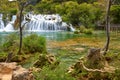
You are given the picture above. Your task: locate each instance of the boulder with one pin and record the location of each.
(10, 71)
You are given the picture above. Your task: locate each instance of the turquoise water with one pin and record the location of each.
(49, 35)
(58, 36)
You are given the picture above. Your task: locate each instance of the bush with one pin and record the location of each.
(76, 32)
(115, 13)
(10, 43)
(13, 11)
(31, 44)
(88, 31)
(34, 43)
(82, 29)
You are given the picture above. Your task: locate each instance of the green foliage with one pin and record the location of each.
(13, 11)
(31, 44)
(6, 7)
(44, 7)
(85, 14)
(29, 8)
(88, 31)
(115, 13)
(3, 56)
(69, 11)
(82, 29)
(53, 74)
(89, 14)
(116, 75)
(11, 43)
(76, 32)
(34, 43)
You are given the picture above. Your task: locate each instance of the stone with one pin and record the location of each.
(10, 71)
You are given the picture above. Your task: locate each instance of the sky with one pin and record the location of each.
(11, 0)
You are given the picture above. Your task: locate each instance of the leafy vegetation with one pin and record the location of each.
(89, 13)
(31, 44)
(86, 14)
(115, 14)
(68, 55)
(83, 29)
(34, 43)
(10, 42)
(58, 73)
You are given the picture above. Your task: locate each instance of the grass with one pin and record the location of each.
(68, 54)
(58, 73)
(70, 50)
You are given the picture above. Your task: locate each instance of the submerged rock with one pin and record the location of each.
(10, 71)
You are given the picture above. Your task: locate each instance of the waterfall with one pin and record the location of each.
(1, 22)
(9, 27)
(71, 28)
(44, 23)
(38, 23)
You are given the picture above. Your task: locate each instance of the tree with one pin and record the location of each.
(69, 11)
(115, 14)
(7, 9)
(21, 5)
(107, 27)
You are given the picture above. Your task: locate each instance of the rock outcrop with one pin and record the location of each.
(10, 71)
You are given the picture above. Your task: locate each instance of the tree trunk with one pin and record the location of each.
(107, 27)
(20, 27)
(21, 5)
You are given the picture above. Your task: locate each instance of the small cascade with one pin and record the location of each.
(13, 17)
(71, 28)
(1, 22)
(9, 27)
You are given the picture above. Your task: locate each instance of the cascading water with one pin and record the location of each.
(38, 23)
(9, 27)
(1, 22)
(44, 23)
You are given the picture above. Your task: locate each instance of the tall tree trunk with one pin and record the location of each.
(21, 5)
(106, 47)
(20, 27)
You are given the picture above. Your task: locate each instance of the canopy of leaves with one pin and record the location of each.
(78, 12)
(7, 7)
(115, 13)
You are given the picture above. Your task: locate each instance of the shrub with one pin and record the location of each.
(31, 44)
(82, 29)
(115, 13)
(13, 11)
(88, 31)
(10, 43)
(76, 32)
(34, 43)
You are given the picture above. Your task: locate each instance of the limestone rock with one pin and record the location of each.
(10, 71)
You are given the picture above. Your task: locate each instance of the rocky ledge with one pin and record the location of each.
(10, 71)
